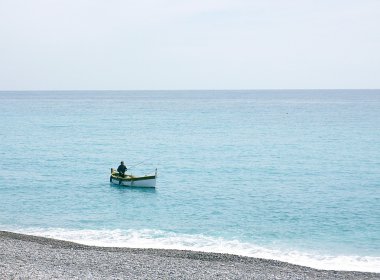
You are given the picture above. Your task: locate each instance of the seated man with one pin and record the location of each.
(121, 169)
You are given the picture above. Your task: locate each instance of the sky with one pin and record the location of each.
(197, 44)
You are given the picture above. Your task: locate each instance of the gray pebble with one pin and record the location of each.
(30, 257)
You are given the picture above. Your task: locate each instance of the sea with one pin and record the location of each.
(290, 175)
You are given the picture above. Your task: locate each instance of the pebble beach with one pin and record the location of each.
(30, 257)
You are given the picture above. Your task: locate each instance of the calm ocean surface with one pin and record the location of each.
(287, 175)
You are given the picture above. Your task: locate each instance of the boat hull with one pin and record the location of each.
(140, 182)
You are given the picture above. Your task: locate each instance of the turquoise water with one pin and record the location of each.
(287, 175)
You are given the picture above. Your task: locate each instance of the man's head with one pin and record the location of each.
(122, 163)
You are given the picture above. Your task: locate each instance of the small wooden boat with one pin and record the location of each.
(147, 181)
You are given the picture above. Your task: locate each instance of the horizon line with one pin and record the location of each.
(160, 90)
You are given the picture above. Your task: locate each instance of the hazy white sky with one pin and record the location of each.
(194, 44)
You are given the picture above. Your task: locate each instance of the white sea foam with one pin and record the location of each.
(166, 240)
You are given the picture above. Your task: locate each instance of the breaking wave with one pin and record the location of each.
(158, 239)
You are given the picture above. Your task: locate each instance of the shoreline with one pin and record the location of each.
(27, 256)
